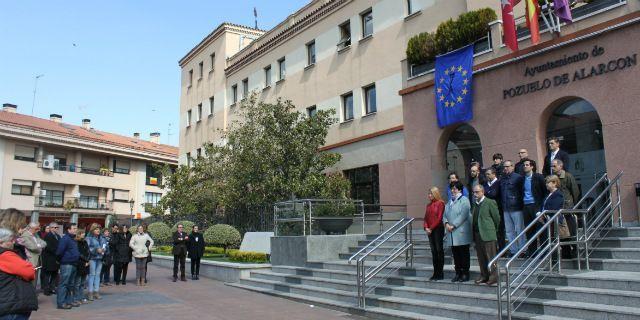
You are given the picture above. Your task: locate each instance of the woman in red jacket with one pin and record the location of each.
(435, 230)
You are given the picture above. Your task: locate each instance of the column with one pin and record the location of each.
(40, 155)
(74, 217)
(78, 161)
(35, 216)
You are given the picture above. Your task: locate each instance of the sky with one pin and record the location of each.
(114, 62)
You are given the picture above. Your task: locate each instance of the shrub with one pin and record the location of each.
(332, 209)
(450, 35)
(247, 256)
(222, 235)
(213, 250)
(188, 226)
(160, 232)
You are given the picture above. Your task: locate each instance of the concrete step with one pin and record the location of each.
(615, 280)
(622, 232)
(609, 297)
(616, 253)
(617, 242)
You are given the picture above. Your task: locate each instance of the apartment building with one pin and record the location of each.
(61, 172)
(338, 54)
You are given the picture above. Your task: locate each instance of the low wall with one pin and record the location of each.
(222, 271)
(296, 251)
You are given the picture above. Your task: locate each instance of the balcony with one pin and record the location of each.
(78, 169)
(83, 203)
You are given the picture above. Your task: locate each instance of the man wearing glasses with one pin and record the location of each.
(511, 187)
(50, 264)
(522, 155)
(179, 251)
(554, 153)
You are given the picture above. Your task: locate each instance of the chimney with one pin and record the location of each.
(55, 117)
(136, 135)
(154, 137)
(86, 123)
(8, 107)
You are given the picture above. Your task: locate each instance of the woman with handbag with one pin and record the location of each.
(553, 202)
(149, 259)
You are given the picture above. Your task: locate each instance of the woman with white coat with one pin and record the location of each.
(140, 252)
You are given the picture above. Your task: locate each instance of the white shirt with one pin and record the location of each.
(492, 181)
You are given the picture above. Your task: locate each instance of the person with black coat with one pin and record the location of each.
(17, 296)
(50, 263)
(554, 153)
(107, 259)
(475, 178)
(534, 192)
(122, 255)
(82, 270)
(196, 251)
(492, 191)
(179, 251)
(553, 201)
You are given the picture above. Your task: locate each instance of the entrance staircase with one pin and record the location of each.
(610, 290)
(390, 278)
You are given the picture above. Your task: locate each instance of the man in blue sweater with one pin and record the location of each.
(68, 255)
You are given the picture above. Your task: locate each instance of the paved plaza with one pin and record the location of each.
(203, 299)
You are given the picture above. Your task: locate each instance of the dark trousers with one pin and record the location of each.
(181, 259)
(502, 234)
(195, 266)
(571, 251)
(105, 276)
(48, 280)
(437, 251)
(486, 250)
(461, 259)
(120, 269)
(529, 212)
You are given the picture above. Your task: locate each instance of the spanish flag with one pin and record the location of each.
(153, 181)
(532, 13)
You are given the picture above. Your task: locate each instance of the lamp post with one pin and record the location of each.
(35, 87)
(131, 202)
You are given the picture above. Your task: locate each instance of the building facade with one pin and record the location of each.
(340, 54)
(579, 85)
(55, 171)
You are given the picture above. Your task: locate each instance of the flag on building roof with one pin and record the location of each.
(509, 24)
(563, 10)
(532, 12)
(453, 86)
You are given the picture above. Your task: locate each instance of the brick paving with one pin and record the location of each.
(164, 299)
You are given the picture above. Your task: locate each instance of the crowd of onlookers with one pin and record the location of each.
(495, 206)
(73, 264)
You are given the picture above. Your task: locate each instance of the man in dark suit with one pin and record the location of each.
(554, 153)
(179, 251)
(50, 263)
(492, 191)
(534, 191)
(475, 178)
(486, 220)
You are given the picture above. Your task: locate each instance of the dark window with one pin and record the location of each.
(199, 153)
(211, 107)
(120, 166)
(409, 7)
(200, 69)
(190, 77)
(245, 88)
(234, 93)
(25, 153)
(51, 198)
(311, 53)
(311, 111)
(151, 199)
(367, 23)
(188, 118)
(267, 76)
(370, 99)
(22, 189)
(199, 114)
(154, 175)
(347, 106)
(365, 184)
(282, 68)
(345, 35)
(188, 159)
(212, 57)
(88, 202)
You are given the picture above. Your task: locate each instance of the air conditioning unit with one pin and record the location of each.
(43, 193)
(48, 162)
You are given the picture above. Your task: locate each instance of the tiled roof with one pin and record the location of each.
(90, 135)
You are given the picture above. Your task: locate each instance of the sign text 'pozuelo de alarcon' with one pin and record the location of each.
(595, 70)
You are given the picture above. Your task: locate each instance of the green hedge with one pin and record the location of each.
(450, 35)
(160, 232)
(247, 256)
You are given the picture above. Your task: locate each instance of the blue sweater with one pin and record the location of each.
(68, 250)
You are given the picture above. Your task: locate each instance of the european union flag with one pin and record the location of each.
(453, 86)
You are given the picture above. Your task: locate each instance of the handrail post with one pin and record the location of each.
(586, 242)
(381, 214)
(557, 238)
(619, 203)
(508, 293)
(364, 286)
(411, 242)
(275, 220)
(304, 220)
(406, 253)
(499, 292)
(358, 277)
(362, 212)
(549, 245)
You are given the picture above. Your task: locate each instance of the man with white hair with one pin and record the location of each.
(32, 243)
(50, 264)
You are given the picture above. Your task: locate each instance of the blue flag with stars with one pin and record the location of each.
(453, 86)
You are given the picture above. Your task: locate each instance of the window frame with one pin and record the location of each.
(282, 69)
(20, 158)
(188, 159)
(154, 197)
(344, 106)
(234, 94)
(363, 16)
(190, 78)
(199, 113)
(212, 60)
(200, 70)
(345, 42)
(267, 76)
(312, 110)
(365, 94)
(188, 118)
(311, 53)
(245, 88)
(211, 106)
(21, 193)
(121, 170)
(120, 200)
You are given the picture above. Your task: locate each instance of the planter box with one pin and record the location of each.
(222, 271)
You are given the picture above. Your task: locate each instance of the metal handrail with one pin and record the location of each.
(545, 252)
(364, 275)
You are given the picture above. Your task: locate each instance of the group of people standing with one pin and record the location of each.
(504, 199)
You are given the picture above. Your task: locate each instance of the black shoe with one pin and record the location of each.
(145, 280)
(124, 283)
(117, 283)
(47, 293)
(193, 277)
(175, 279)
(65, 307)
(197, 277)
(183, 278)
(433, 278)
(456, 278)
(464, 278)
(54, 291)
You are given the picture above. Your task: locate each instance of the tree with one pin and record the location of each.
(272, 153)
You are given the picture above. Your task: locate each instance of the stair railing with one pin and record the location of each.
(515, 280)
(365, 274)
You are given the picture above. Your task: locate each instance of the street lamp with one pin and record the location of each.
(131, 202)
(35, 87)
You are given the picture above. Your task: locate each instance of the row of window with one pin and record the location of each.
(212, 63)
(198, 155)
(370, 104)
(199, 112)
